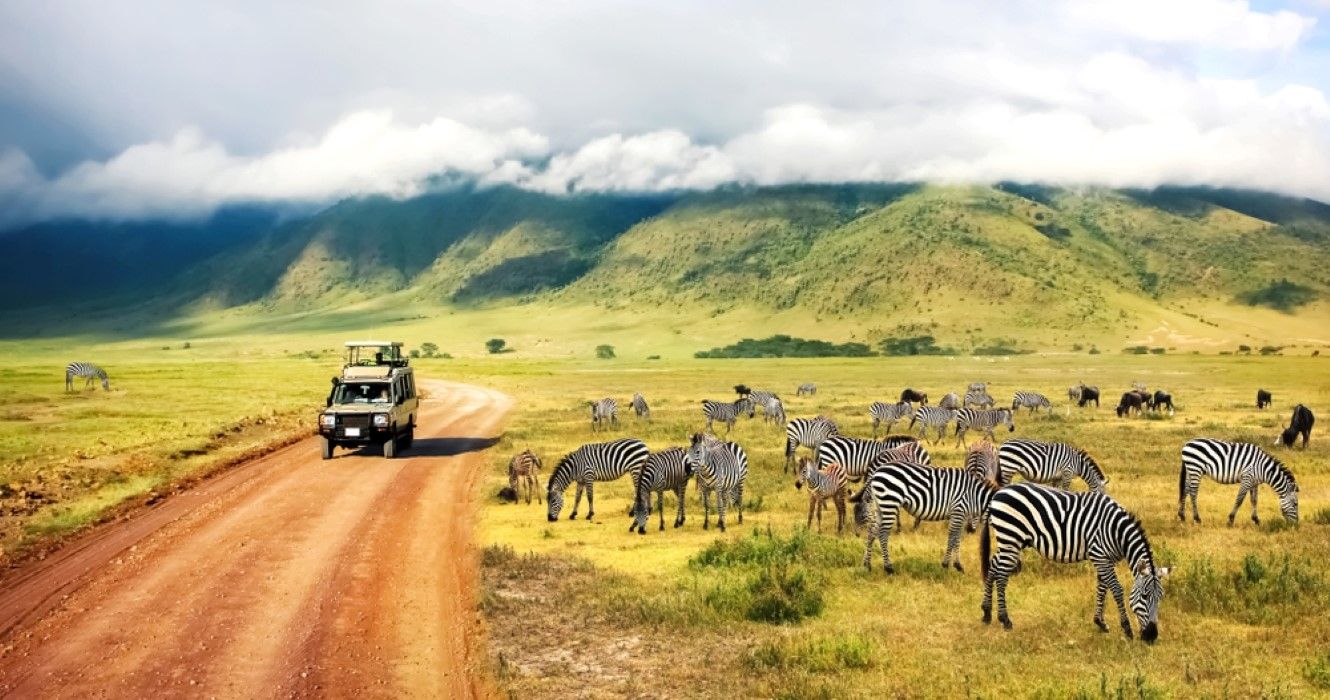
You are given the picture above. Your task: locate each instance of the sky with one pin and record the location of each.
(168, 109)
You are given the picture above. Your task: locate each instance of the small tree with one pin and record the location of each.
(415, 353)
(605, 352)
(496, 345)
(428, 349)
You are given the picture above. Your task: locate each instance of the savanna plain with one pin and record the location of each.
(768, 608)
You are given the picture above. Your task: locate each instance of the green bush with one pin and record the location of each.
(605, 352)
(1271, 349)
(1282, 296)
(784, 593)
(1261, 590)
(819, 655)
(428, 349)
(1317, 671)
(1157, 351)
(913, 345)
(1136, 350)
(999, 346)
(1321, 517)
(785, 346)
(496, 345)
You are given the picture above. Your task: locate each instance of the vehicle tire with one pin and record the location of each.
(327, 448)
(390, 447)
(409, 436)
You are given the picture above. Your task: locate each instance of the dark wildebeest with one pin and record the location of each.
(1132, 400)
(1263, 398)
(1160, 400)
(1300, 425)
(742, 390)
(914, 396)
(1088, 394)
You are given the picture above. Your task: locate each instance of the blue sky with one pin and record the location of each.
(170, 109)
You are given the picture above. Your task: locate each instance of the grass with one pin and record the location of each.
(673, 613)
(1239, 599)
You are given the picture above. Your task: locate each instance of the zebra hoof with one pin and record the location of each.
(891, 570)
(1256, 520)
(1006, 621)
(1126, 629)
(641, 531)
(706, 526)
(957, 565)
(1100, 624)
(573, 516)
(1197, 519)
(988, 615)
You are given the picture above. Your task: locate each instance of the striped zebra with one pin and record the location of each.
(977, 386)
(888, 413)
(640, 407)
(809, 432)
(773, 410)
(808, 389)
(86, 371)
(1048, 463)
(932, 417)
(823, 484)
(1074, 393)
(958, 496)
(982, 419)
(978, 398)
(524, 467)
(1071, 527)
(1031, 400)
(952, 400)
(761, 398)
(1234, 463)
(726, 412)
(856, 455)
(597, 461)
(664, 471)
(721, 467)
(604, 412)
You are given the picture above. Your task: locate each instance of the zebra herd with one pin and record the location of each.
(1039, 511)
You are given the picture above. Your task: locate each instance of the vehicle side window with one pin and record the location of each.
(411, 386)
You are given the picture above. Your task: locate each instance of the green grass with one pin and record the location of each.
(1239, 600)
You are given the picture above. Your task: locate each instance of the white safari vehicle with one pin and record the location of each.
(373, 402)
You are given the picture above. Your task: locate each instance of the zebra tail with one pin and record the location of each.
(985, 549)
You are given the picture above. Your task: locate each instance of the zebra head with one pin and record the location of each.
(1091, 472)
(696, 456)
(1146, 592)
(641, 511)
(558, 482)
(1287, 488)
(745, 405)
(1006, 417)
(805, 472)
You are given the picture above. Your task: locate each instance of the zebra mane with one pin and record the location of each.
(564, 468)
(1285, 471)
(1091, 461)
(1135, 522)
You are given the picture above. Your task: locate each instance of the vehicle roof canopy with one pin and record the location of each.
(373, 343)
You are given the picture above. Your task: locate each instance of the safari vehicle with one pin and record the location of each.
(373, 402)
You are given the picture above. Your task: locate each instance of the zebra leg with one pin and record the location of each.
(812, 506)
(840, 512)
(1101, 587)
(739, 501)
(868, 544)
(1002, 572)
(876, 422)
(960, 436)
(722, 499)
(1254, 489)
(706, 508)
(577, 502)
(1195, 514)
(889, 519)
(958, 520)
(679, 494)
(660, 506)
(1116, 588)
(1242, 494)
(590, 504)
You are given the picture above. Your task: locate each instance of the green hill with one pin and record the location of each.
(1039, 266)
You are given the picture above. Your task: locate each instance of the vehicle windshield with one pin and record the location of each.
(362, 392)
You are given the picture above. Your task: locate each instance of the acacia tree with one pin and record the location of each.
(496, 345)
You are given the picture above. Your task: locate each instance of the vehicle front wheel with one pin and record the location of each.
(327, 448)
(408, 437)
(390, 448)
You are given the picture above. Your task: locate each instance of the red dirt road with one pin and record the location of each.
(287, 576)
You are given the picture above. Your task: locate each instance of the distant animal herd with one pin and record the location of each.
(1039, 512)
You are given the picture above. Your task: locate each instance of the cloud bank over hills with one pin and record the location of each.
(163, 111)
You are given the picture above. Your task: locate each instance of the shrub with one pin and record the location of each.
(913, 345)
(785, 346)
(653, 357)
(1259, 591)
(496, 345)
(428, 349)
(1094, 350)
(1321, 517)
(1317, 671)
(1281, 296)
(999, 346)
(1271, 349)
(415, 352)
(186, 346)
(784, 592)
(1136, 350)
(1156, 351)
(819, 655)
(605, 352)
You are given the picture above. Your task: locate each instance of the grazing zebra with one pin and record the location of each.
(597, 461)
(888, 413)
(1048, 463)
(726, 412)
(1074, 393)
(982, 419)
(761, 398)
(808, 389)
(773, 411)
(524, 466)
(978, 398)
(952, 400)
(809, 432)
(86, 371)
(604, 411)
(1031, 400)
(856, 455)
(1234, 463)
(666, 470)
(721, 467)
(1071, 527)
(640, 407)
(823, 484)
(932, 417)
(929, 493)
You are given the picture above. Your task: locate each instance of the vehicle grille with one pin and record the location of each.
(344, 422)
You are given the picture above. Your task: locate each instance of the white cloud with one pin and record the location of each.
(599, 96)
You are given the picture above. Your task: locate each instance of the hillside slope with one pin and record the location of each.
(969, 264)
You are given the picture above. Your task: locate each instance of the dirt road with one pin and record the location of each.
(287, 576)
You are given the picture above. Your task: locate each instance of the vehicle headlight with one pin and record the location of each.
(380, 420)
(327, 420)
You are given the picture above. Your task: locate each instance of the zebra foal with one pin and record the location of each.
(523, 468)
(823, 484)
